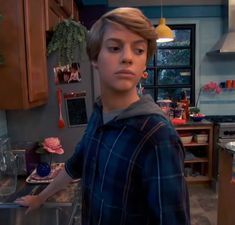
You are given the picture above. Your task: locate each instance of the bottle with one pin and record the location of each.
(8, 168)
(185, 105)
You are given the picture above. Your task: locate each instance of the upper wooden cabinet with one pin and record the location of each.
(23, 76)
(57, 10)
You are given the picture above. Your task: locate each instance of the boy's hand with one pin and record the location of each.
(31, 201)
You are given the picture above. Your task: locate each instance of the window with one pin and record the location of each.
(172, 69)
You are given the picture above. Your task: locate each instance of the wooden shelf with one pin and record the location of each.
(198, 165)
(197, 179)
(197, 160)
(195, 144)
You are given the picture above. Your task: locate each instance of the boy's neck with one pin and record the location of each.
(116, 101)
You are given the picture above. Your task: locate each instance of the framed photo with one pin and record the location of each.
(67, 74)
(76, 109)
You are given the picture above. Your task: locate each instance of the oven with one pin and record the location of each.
(224, 132)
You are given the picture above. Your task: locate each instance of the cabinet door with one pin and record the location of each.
(67, 6)
(36, 50)
(53, 13)
(75, 12)
(24, 73)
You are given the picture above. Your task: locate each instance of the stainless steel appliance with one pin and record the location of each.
(224, 132)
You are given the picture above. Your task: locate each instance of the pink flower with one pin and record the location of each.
(52, 145)
(212, 87)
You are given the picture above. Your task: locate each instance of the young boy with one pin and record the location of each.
(130, 157)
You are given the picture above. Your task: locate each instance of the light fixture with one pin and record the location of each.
(164, 33)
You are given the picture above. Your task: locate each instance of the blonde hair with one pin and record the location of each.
(131, 18)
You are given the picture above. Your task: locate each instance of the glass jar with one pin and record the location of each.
(8, 168)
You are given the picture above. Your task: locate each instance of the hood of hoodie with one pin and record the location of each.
(144, 106)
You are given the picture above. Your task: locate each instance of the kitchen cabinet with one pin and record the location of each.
(198, 166)
(57, 10)
(24, 82)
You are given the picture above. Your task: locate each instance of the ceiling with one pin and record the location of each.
(117, 3)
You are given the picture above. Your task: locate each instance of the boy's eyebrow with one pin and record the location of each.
(119, 40)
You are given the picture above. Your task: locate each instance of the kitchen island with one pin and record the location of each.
(226, 198)
(60, 209)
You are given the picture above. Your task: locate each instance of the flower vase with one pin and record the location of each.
(44, 167)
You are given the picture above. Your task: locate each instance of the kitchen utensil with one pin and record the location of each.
(61, 123)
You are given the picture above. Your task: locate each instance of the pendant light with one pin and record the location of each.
(165, 34)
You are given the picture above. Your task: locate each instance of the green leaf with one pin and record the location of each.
(67, 36)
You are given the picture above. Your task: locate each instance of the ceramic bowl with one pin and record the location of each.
(197, 118)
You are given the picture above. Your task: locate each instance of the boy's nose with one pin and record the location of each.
(127, 56)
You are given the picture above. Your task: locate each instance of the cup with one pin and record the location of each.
(233, 84)
(228, 84)
(222, 84)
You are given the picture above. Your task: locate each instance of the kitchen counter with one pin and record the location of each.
(226, 198)
(190, 123)
(59, 209)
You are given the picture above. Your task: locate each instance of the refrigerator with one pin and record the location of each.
(77, 101)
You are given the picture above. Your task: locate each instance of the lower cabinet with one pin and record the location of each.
(197, 139)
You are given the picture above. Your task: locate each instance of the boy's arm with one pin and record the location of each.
(35, 201)
(165, 186)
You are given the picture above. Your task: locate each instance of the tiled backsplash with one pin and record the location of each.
(3, 123)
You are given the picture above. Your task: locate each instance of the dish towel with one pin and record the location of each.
(233, 170)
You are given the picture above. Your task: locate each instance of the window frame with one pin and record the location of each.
(155, 86)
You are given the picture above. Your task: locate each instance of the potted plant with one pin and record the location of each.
(49, 146)
(68, 36)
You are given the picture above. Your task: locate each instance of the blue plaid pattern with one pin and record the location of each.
(132, 172)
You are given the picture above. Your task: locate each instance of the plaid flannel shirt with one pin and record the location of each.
(132, 172)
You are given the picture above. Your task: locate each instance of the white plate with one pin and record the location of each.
(230, 146)
(33, 178)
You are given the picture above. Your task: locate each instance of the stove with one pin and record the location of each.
(224, 127)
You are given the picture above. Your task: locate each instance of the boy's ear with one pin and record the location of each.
(94, 64)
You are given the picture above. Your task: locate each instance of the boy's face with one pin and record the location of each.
(122, 59)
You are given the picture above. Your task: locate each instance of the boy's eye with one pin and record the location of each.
(139, 51)
(113, 48)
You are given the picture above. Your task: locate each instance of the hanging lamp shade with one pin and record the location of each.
(164, 32)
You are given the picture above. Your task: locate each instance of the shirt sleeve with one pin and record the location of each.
(74, 165)
(164, 182)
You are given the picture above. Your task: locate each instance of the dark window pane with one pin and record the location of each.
(150, 79)
(173, 93)
(151, 62)
(174, 76)
(182, 39)
(173, 57)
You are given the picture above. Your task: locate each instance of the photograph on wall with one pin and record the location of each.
(67, 74)
(76, 109)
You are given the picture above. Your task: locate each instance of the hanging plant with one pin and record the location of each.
(67, 37)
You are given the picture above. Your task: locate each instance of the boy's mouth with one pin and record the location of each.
(125, 72)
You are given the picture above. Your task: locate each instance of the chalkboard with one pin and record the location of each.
(76, 111)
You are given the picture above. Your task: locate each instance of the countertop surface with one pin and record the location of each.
(65, 197)
(227, 148)
(193, 123)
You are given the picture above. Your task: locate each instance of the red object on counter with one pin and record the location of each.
(177, 121)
